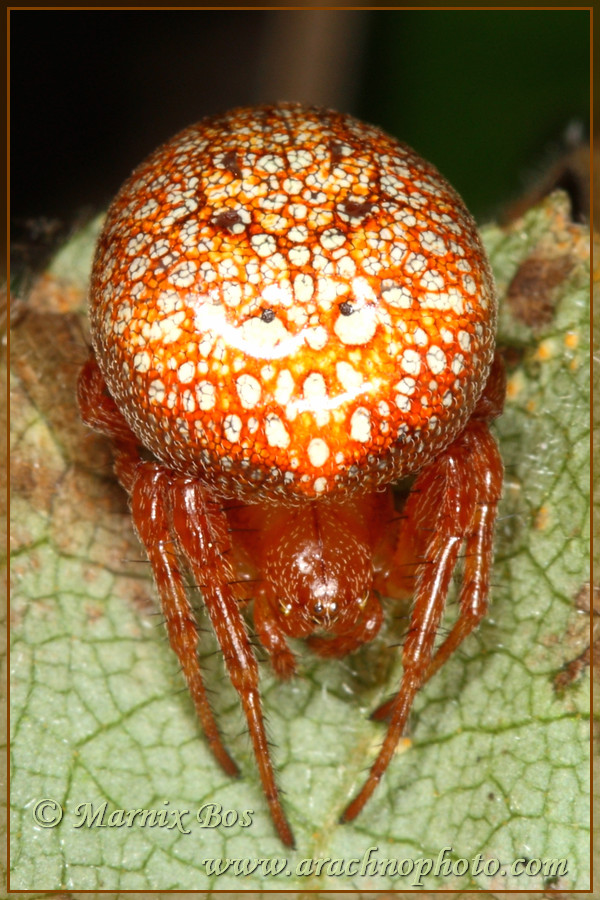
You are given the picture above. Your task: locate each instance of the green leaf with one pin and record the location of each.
(498, 762)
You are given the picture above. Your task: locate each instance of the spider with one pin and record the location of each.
(291, 311)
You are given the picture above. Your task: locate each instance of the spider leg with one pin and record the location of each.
(202, 532)
(97, 407)
(273, 639)
(149, 505)
(478, 542)
(147, 486)
(453, 502)
(474, 592)
(161, 505)
(478, 557)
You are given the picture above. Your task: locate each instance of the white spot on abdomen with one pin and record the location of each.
(436, 359)
(314, 387)
(357, 328)
(270, 340)
(205, 395)
(167, 330)
(360, 425)
(248, 390)
(232, 427)
(320, 485)
(411, 362)
(317, 337)
(303, 287)
(156, 392)
(315, 394)
(264, 244)
(184, 274)
(141, 361)
(284, 387)
(318, 452)
(350, 379)
(186, 372)
(275, 432)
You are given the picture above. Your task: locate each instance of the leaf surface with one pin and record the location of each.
(498, 761)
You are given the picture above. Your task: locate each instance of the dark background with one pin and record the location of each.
(488, 96)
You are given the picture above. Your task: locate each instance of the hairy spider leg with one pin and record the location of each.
(202, 530)
(150, 495)
(272, 637)
(164, 505)
(148, 487)
(478, 543)
(452, 503)
(97, 407)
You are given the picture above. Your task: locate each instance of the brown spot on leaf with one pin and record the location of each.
(531, 293)
(572, 670)
(47, 352)
(587, 603)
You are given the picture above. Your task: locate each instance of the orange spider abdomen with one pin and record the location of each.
(289, 304)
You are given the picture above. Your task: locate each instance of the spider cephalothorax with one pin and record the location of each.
(290, 310)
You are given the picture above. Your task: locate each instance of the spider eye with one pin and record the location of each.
(267, 315)
(318, 609)
(346, 308)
